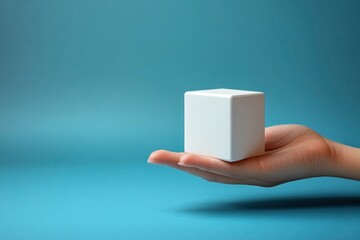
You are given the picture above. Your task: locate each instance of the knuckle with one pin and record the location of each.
(186, 157)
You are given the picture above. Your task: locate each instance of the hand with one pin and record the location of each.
(292, 152)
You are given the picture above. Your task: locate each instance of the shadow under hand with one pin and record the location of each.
(304, 204)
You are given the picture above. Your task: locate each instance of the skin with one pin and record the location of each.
(292, 152)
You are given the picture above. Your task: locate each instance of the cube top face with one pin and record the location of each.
(225, 124)
(223, 92)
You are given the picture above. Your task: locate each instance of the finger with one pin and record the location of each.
(208, 176)
(252, 169)
(214, 177)
(209, 164)
(165, 157)
(172, 158)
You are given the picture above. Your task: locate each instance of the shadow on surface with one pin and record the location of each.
(278, 205)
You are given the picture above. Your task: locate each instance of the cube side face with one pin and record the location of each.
(207, 126)
(248, 126)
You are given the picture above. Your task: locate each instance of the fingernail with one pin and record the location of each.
(150, 160)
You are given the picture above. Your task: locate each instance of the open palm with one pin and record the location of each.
(292, 152)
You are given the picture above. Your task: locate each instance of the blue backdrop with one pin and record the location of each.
(89, 88)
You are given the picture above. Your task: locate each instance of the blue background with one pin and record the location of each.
(89, 88)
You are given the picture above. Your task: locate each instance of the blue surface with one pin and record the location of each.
(89, 88)
(133, 201)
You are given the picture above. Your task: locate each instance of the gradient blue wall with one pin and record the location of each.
(91, 80)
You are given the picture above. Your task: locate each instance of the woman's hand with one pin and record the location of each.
(292, 152)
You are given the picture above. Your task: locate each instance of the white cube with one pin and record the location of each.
(224, 123)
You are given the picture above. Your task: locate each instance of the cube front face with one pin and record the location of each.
(207, 125)
(228, 127)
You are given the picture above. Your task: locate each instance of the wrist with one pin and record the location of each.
(345, 161)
